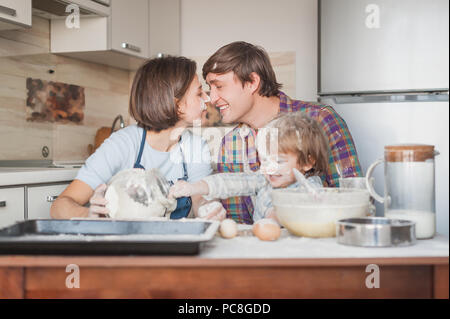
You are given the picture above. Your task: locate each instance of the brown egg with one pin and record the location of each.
(228, 228)
(266, 229)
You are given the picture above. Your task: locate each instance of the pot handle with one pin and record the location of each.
(369, 185)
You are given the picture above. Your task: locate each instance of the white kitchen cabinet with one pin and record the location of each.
(15, 14)
(40, 199)
(100, 7)
(164, 27)
(129, 27)
(12, 208)
(57, 9)
(134, 32)
(119, 40)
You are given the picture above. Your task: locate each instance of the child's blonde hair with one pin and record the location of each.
(301, 135)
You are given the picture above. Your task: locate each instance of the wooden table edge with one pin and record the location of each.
(188, 261)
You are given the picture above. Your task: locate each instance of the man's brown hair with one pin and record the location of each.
(244, 58)
(158, 86)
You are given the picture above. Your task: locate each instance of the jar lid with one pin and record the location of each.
(409, 152)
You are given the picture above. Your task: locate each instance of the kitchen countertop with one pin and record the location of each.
(10, 176)
(288, 248)
(242, 267)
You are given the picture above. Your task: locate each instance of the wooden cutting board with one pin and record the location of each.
(102, 134)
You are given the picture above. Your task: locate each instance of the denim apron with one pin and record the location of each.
(184, 204)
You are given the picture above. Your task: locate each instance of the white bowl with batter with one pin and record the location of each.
(315, 215)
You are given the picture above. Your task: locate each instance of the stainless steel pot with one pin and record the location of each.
(375, 232)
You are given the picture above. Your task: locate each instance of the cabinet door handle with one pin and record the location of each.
(131, 47)
(51, 199)
(2, 203)
(8, 11)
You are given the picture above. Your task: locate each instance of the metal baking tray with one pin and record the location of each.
(375, 232)
(106, 237)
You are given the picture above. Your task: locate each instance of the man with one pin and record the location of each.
(244, 88)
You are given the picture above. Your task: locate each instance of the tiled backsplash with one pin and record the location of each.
(25, 54)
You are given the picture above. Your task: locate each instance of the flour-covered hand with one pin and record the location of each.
(184, 189)
(213, 211)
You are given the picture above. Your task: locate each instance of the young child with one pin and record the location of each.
(301, 145)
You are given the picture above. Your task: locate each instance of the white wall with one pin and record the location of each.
(278, 26)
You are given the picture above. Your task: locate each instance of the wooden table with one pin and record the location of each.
(238, 268)
(190, 277)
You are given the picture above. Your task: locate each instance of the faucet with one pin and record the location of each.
(122, 123)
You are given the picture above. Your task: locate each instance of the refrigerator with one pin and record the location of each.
(384, 68)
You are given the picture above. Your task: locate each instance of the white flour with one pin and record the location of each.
(411, 188)
(425, 221)
(121, 205)
(135, 193)
(289, 246)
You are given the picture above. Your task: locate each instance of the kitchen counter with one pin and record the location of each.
(243, 267)
(10, 176)
(288, 246)
(247, 246)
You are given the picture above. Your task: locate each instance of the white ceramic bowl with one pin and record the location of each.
(308, 215)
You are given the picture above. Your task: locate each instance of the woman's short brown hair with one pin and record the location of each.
(244, 58)
(302, 136)
(157, 87)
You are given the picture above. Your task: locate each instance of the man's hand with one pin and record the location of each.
(184, 189)
(98, 203)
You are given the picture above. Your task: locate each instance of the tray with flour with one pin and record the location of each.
(107, 237)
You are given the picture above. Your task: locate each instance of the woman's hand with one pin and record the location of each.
(184, 189)
(98, 203)
(213, 211)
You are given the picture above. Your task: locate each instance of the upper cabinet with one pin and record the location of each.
(54, 9)
(129, 27)
(15, 14)
(164, 23)
(133, 32)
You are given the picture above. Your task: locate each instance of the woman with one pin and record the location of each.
(166, 97)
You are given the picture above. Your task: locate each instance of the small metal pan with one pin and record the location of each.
(375, 232)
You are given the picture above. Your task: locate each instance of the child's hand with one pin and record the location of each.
(184, 189)
(213, 211)
(272, 215)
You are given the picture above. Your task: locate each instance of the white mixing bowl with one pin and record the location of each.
(309, 215)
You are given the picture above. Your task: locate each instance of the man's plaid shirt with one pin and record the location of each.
(238, 148)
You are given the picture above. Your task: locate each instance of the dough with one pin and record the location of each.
(137, 194)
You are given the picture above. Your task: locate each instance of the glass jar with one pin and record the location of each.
(409, 191)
